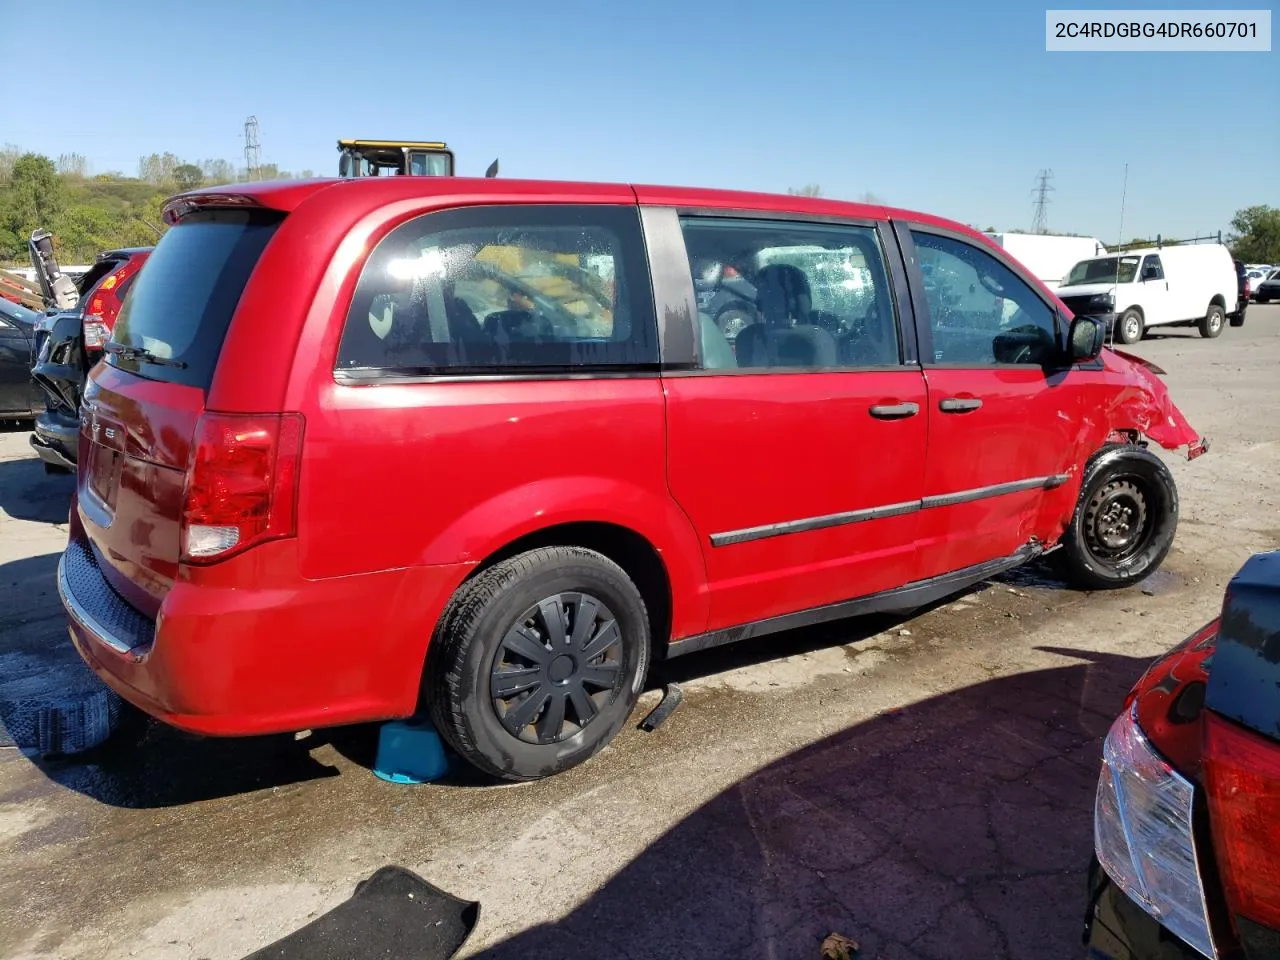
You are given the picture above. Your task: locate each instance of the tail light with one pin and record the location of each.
(1143, 835)
(1242, 778)
(96, 333)
(106, 300)
(242, 483)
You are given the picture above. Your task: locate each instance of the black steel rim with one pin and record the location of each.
(1118, 521)
(558, 667)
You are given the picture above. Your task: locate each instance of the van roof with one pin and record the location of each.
(288, 195)
(1168, 248)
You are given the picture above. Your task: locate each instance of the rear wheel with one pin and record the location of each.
(1211, 323)
(1129, 326)
(1124, 521)
(538, 662)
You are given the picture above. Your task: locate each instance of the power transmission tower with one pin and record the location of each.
(252, 149)
(1040, 219)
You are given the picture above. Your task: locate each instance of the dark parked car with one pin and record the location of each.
(1187, 820)
(1268, 289)
(20, 399)
(70, 343)
(1244, 290)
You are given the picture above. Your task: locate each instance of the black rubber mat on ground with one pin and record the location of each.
(393, 914)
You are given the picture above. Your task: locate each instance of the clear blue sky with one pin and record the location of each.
(949, 107)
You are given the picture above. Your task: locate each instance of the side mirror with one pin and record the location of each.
(1086, 339)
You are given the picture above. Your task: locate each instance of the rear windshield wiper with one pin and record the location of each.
(128, 352)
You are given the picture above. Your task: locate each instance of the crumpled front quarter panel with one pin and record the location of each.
(1132, 397)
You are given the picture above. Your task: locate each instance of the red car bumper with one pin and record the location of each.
(290, 655)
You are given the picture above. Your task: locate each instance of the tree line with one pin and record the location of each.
(88, 213)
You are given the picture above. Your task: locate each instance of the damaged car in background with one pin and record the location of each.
(1187, 819)
(71, 340)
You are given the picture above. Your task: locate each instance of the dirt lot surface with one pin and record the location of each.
(923, 786)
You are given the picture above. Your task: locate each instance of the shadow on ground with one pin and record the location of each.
(958, 827)
(27, 492)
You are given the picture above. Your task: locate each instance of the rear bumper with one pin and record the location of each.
(251, 651)
(55, 439)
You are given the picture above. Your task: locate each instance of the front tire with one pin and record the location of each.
(538, 662)
(1212, 322)
(1130, 326)
(1124, 522)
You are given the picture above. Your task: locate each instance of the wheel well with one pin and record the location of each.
(1218, 301)
(628, 549)
(1136, 309)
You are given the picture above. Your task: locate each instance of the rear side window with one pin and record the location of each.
(525, 289)
(177, 313)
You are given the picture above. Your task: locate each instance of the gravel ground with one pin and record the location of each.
(924, 786)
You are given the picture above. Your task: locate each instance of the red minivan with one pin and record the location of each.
(364, 448)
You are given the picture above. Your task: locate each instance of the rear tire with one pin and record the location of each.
(1212, 322)
(1129, 327)
(1124, 522)
(519, 682)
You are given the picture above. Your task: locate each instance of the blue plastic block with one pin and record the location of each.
(410, 751)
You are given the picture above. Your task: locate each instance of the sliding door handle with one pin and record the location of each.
(894, 411)
(959, 404)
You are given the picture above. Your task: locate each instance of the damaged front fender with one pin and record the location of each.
(1144, 405)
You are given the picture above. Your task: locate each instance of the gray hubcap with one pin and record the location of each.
(558, 667)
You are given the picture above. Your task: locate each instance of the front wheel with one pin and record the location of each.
(538, 662)
(1130, 326)
(1124, 521)
(1211, 323)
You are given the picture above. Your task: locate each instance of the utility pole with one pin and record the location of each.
(1040, 219)
(252, 149)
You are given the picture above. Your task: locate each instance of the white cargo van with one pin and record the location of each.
(1184, 285)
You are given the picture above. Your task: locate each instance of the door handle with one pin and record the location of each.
(894, 411)
(959, 404)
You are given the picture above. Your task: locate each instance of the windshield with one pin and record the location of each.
(1103, 270)
(424, 163)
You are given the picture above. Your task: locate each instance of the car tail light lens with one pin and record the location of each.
(96, 333)
(1242, 777)
(242, 484)
(105, 301)
(1143, 834)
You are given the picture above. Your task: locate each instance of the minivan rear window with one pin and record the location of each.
(177, 314)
